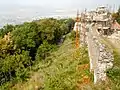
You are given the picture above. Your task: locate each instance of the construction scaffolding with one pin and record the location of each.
(77, 31)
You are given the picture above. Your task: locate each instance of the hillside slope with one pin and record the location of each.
(65, 69)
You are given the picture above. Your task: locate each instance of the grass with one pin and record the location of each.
(65, 69)
(114, 73)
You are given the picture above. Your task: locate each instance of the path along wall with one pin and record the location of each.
(101, 58)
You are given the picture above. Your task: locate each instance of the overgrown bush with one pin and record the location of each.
(72, 35)
(114, 73)
(116, 16)
(14, 65)
(28, 43)
(43, 50)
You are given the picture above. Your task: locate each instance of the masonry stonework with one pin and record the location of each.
(102, 60)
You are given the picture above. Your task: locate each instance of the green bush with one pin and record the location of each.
(72, 35)
(7, 28)
(28, 44)
(43, 50)
(14, 65)
(114, 73)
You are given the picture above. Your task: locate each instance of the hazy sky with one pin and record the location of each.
(51, 7)
(59, 3)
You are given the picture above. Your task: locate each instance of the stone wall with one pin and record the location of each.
(83, 35)
(104, 62)
(101, 58)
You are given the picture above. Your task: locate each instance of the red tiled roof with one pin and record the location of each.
(115, 25)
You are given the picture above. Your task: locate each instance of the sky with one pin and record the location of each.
(50, 7)
(19, 11)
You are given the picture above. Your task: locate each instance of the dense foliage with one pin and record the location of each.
(22, 45)
(116, 16)
(66, 68)
(114, 73)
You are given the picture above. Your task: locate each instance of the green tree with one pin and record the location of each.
(6, 46)
(14, 65)
(116, 16)
(6, 29)
(22, 45)
(43, 50)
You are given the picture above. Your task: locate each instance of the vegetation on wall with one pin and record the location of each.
(114, 73)
(116, 16)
